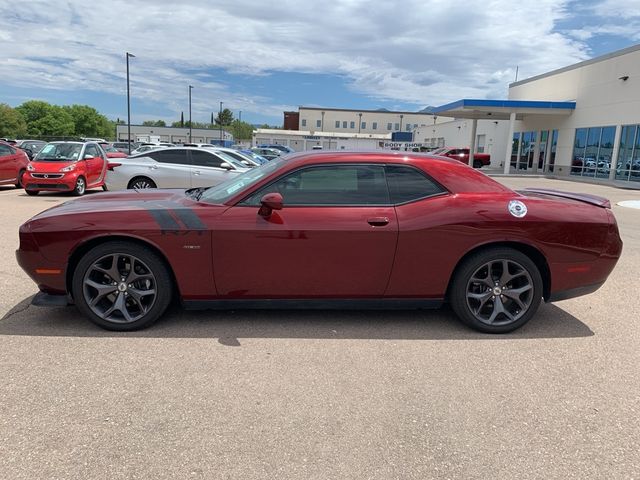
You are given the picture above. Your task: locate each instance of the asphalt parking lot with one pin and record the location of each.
(322, 395)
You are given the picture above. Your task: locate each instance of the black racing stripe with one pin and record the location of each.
(164, 219)
(189, 218)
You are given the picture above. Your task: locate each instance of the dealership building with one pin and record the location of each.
(582, 120)
(173, 134)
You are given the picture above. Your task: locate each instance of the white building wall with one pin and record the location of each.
(602, 98)
(387, 122)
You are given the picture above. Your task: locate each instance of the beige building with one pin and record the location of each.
(375, 122)
(581, 121)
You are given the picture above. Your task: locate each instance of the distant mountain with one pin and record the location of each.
(428, 109)
(381, 110)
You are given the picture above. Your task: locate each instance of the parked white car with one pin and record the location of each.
(173, 167)
(247, 160)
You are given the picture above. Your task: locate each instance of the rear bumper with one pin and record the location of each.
(574, 292)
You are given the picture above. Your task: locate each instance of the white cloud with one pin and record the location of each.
(421, 52)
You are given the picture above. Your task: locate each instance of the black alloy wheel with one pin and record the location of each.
(496, 290)
(122, 286)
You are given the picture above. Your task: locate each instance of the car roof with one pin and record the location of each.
(453, 174)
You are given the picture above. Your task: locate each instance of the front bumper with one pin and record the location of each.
(61, 182)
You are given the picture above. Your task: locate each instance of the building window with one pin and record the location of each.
(388, 126)
(396, 127)
(374, 125)
(592, 149)
(408, 127)
(352, 125)
(318, 123)
(304, 122)
(344, 124)
(628, 166)
(337, 123)
(363, 125)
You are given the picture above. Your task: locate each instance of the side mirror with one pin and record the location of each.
(226, 166)
(269, 203)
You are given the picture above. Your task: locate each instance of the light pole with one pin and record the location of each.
(240, 115)
(322, 123)
(190, 123)
(128, 105)
(359, 121)
(220, 117)
(401, 121)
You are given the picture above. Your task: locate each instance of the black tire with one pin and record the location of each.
(477, 164)
(81, 187)
(478, 295)
(104, 187)
(117, 307)
(19, 183)
(141, 182)
(32, 192)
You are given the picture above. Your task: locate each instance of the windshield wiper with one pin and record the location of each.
(196, 193)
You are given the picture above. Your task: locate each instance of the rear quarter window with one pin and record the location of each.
(407, 184)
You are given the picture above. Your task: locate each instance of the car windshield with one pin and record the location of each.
(224, 191)
(229, 159)
(255, 157)
(62, 152)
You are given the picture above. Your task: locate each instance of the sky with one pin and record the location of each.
(262, 58)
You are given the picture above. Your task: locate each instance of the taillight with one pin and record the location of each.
(112, 165)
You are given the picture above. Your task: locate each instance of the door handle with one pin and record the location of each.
(378, 221)
(197, 172)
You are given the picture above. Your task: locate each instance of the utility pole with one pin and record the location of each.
(128, 105)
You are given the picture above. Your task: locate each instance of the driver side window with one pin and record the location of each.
(329, 185)
(92, 151)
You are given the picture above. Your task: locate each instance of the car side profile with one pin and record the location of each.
(325, 230)
(173, 167)
(13, 165)
(268, 153)
(66, 167)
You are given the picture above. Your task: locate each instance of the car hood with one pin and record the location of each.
(50, 167)
(123, 201)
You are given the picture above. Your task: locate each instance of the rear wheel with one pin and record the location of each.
(122, 286)
(81, 186)
(496, 290)
(19, 183)
(104, 187)
(141, 182)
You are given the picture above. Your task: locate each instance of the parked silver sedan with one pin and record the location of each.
(174, 167)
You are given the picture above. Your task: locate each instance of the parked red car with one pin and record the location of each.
(67, 167)
(111, 151)
(328, 230)
(462, 154)
(13, 165)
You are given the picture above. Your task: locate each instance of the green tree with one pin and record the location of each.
(88, 122)
(44, 119)
(12, 123)
(154, 123)
(241, 130)
(224, 118)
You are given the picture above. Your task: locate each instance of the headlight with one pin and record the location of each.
(30, 167)
(70, 168)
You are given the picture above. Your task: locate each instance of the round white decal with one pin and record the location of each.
(517, 208)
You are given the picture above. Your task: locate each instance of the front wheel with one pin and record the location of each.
(81, 187)
(20, 180)
(32, 193)
(122, 286)
(477, 164)
(496, 290)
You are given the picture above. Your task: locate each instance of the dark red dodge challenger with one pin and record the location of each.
(327, 230)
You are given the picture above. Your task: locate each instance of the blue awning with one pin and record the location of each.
(501, 109)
